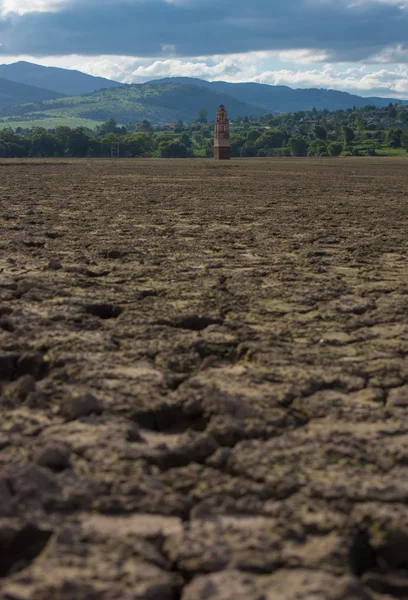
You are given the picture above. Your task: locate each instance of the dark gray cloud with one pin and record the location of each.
(206, 27)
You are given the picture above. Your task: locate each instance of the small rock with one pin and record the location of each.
(24, 386)
(78, 406)
(53, 456)
(54, 265)
(6, 323)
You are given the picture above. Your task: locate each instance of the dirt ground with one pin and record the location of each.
(204, 380)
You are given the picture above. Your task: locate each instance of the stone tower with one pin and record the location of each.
(222, 145)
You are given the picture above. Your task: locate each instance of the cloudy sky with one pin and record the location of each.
(354, 45)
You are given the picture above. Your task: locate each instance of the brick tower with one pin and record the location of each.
(222, 146)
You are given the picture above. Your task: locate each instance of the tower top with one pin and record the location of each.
(221, 112)
(222, 143)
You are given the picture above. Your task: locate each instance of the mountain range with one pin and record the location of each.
(66, 82)
(50, 96)
(281, 98)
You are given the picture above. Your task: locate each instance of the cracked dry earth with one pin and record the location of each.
(204, 380)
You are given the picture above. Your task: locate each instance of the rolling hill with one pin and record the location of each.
(159, 103)
(64, 81)
(61, 98)
(280, 98)
(21, 93)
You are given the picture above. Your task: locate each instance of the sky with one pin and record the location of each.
(359, 46)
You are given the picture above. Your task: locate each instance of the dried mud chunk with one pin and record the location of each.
(313, 585)
(33, 481)
(398, 397)
(249, 544)
(54, 265)
(229, 431)
(192, 448)
(77, 406)
(24, 386)
(53, 456)
(104, 311)
(226, 585)
(284, 585)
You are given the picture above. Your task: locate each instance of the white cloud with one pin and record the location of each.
(21, 7)
(304, 57)
(361, 79)
(383, 82)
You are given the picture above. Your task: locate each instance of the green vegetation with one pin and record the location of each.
(368, 131)
(365, 132)
(18, 93)
(51, 123)
(158, 103)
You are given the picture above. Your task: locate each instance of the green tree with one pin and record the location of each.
(62, 134)
(78, 143)
(45, 144)
(172, 149)
(249, 149)
(145, 126)
(320, 132)
(394, 138)
(359, 125)
(298, 146)
(185, 139)
(335, 149)
(404, 140)
(202, 116)
(138, 145)
(110, 126)
(348, 134)
(317, 148)
(253, 135)
(272, 138)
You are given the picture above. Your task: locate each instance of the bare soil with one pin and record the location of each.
(204, 380)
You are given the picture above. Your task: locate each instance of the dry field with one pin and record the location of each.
(204, 380)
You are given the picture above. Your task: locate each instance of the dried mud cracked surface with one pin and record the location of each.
(204, 380)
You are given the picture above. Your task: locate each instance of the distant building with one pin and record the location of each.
(222, 144)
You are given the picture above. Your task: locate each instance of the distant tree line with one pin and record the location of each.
(351, 132)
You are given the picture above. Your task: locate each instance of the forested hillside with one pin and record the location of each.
(20, 93)
(159, 103)
(283, 99)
